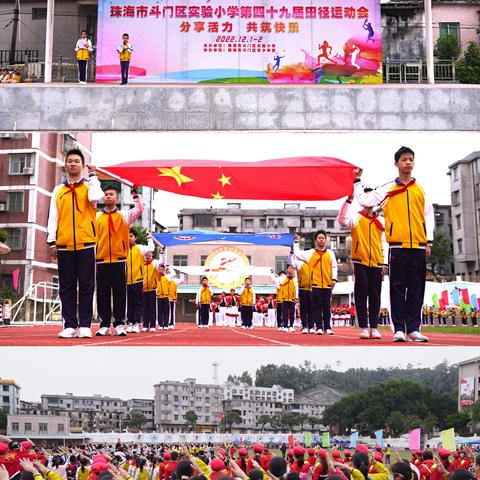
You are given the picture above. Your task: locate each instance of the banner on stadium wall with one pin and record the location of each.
(467, 391)
(242, 41)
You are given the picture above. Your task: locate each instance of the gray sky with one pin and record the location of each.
(131, 372)
(371, 150)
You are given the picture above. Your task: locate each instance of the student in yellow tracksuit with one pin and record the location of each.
(304, 281)
(409, 223)
(125, 52)
(369, 257)
(247, 301)
(163, 300)
(150, 274)
(277, 281)
(113, 228)
(174, 283)
(322, 264)
(83, 48)
(289, 288)
(203, 300)
(72, 238)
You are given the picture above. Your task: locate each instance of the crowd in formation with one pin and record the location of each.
(99, 250)
(24, 461)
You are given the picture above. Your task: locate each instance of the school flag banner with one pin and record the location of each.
(241, 41)
(379, 437)
(326, 440)
(448, 439)
(308, 439)
(293, 178)
(435, 301)
(353, 439)
(414, 439)
(474, 301)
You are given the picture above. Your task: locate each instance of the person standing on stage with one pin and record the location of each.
(409, 223)
(203, 300)
(72, 238)
(125, 52)
(113, 229)
(83, 48)
(173, 297)
(247, 301)
(322, 264)
(232, 312)
(135, 263)
(290, 294)
(369, 257)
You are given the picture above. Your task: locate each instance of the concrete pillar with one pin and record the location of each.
(429, 41)
(49, 41)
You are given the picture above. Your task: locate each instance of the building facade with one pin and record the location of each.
(174, 399)
(468, 383)
(37, 426)
(10, 396)
(465, 191)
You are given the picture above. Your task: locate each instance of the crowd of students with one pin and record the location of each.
(10, 75)
(453, 316)
(25, 461)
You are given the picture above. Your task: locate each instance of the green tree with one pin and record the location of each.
(288, 420)
(447, 48)
(395, 423)
(475, 415)
(314, 421)
(245, 377)
(137, 419)
(232, 417)
(191, 418)
(458, 421)
(3, 236)
(141, 235)
(441, 251)
(302, 419)
(262, 420)
(3, 419)
(467, 70)
(430, 423)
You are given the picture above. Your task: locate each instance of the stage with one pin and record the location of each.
(188, 335)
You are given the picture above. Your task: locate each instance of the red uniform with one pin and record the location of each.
(265, 460)
(425, 469)
(303, 469)
(170, 468)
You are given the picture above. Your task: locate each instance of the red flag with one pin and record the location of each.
(221, 416)
(15, 275)
(291, 441)
(295, 178)
(465, 296)
(442, 303)
(445, 298)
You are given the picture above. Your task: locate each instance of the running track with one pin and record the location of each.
(186, 334)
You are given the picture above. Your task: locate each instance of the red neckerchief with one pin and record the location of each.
(148, 262)
(373, 219)
(72, 189)
(403, 188)
(111, 226)
(320, 252)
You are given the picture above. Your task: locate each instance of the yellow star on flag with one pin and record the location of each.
(175, 173)
(224, 180)
(217, 196)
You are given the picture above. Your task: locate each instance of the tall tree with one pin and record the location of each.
(441, 251)
(137, 419)
(232, 417)
(191, 418)
(262, 420)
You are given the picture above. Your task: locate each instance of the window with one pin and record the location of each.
(263, 223)
(302, 223)
(219, 222)
(333, 243)
(439, 219)
(232, 229)
(452, 29)
(314, 223)
(17, 162)
(281, 264)
(203, 259)
(455, 198)
(458, 219)
(460, 245)
(39, 13)
(271, 222)
(43, 427)
(28, 427)
(476, 191)
(180, 260)
(279, 222)
(330, 223)
(14, 238)
(5, 388)
(15, 427)
(15, 201)
(203, 220)
(249, 223)
(60, 428)
(455, 173)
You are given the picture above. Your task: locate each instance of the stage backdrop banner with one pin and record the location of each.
(241, 41)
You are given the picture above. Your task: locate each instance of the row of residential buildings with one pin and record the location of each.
(402, 26)
(74, 414)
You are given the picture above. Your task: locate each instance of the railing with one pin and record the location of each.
(40, 300)
(19, 57)
(415, 71)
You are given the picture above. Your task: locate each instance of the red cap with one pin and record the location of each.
(99, 467)
(217, 464)
(4, 448)
(456, 455)
(362, 448)
(243, 451)
(221, 452)
(26, 444)
(443, 452)
(167, 456)
(311, 451)
(258, 448)
(299, 451)
(378, 448)
(336, 454)
(378, 457)
(322, 453)
(99, 459)
(347, 453)
(290, 452)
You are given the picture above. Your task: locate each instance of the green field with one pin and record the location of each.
(464, 330)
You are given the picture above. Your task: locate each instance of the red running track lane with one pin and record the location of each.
(187, 334)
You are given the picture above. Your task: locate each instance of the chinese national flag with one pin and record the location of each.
(294, 178)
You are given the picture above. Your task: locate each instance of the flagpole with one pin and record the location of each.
(115, 177)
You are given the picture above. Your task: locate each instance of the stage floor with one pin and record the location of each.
(187, 334)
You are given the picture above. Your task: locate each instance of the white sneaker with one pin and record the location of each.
(129, 328)
(399, 337)
(171, 327)
(103, 331)
(68, 333)
(152, 330)
(312, 330)
(243, 327)
(292, 329)
(136, 328)
(85, 332)
(280, 329)
(319, 331)
(364, 334)
(144, 329)
(417, 337)
(375, 334)
(329, 331)
(120, 331)
(304, 330)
